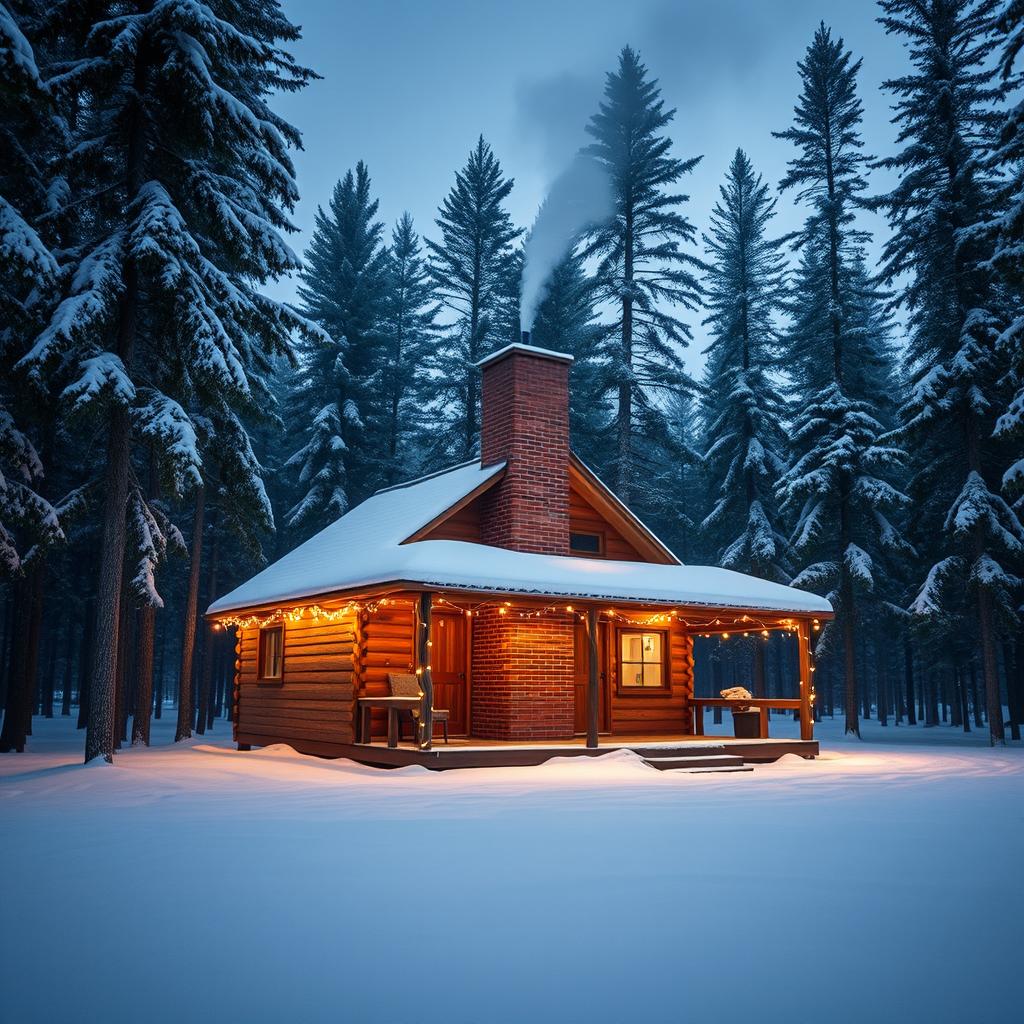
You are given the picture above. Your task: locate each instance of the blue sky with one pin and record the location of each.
(408, 86)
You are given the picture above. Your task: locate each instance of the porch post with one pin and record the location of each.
(806, 713)
(426, 721)
(593, 676)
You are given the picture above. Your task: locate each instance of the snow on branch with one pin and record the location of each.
(101, 378)
(928, 602)
(166, 425)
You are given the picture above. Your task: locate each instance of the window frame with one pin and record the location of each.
(599, 534)
(261, 676)
(643, 691)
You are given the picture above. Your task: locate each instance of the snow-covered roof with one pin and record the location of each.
(519, 346)
(364, 548)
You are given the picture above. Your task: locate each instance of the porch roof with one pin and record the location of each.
(365, 549)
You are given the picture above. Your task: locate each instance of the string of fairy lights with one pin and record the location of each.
(313, 612)
(744, 625)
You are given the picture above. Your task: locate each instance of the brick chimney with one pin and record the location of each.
(525, 422)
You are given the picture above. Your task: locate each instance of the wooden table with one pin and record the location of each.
(393, 705)
(761, 704)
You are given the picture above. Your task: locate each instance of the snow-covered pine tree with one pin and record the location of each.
(408, 331)
(29, 130)
(31, 135)
(343, 289)
(944, 108)
(183, 178)
(472, 267)
(741, 405)
(1003, 232)
(679, 488)
(566, 321)
(643, 272)
(837, 352)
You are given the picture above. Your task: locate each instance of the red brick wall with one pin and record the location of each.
(525, 421)
(522, 676)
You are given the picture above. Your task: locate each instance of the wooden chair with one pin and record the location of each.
(405, 684)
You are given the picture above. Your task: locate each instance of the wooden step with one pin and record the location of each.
(695, 761)
(712, 769)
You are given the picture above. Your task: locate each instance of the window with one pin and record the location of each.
(586, 543)
(271, 652)
(641, 661)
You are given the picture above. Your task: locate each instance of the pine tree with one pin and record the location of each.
(566, 321)
(342, 290)
(643, 272)
(742, 408)
(680, 485)
(1001, 232)
(182, 177)
(837, 351)
(408, 332)
(31, 136)
(944, 108)
(472, 269)
(29, 127)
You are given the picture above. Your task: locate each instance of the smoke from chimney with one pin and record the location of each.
(580, 197)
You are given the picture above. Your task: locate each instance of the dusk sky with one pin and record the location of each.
(408, 86)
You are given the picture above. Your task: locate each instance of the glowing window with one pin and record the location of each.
(271, 652)
(641, 660)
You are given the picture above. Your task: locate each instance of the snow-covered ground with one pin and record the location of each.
(879, 883)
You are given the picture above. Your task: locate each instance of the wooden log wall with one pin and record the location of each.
(667, 712)
(385, 642)
(312, 706)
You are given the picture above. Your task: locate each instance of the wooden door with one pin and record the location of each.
(448, 668)
(581, 678)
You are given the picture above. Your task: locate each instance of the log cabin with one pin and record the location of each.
(536, 614)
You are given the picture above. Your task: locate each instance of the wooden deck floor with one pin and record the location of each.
(470, 752)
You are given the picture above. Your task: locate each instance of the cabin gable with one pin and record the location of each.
(586, 522)
(461, 520)
(594, 510)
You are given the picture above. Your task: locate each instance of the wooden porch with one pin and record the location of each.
(687, 751)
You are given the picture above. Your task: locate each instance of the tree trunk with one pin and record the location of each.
(881, 675)
(979, 722)
(209, 647)
(5, 647)
(144, 682)
(99, 737)
(49, 679)
(142, 708)
(158, 696)
(624, 414)
(757, 669)
(956, 705)
(24, 652)
(69, 662)
(85, 662)
(852, 724)
(993, 700)
(125, 670)
(965, 711)
(1015, 685)
(188, 637)
(716, 680)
